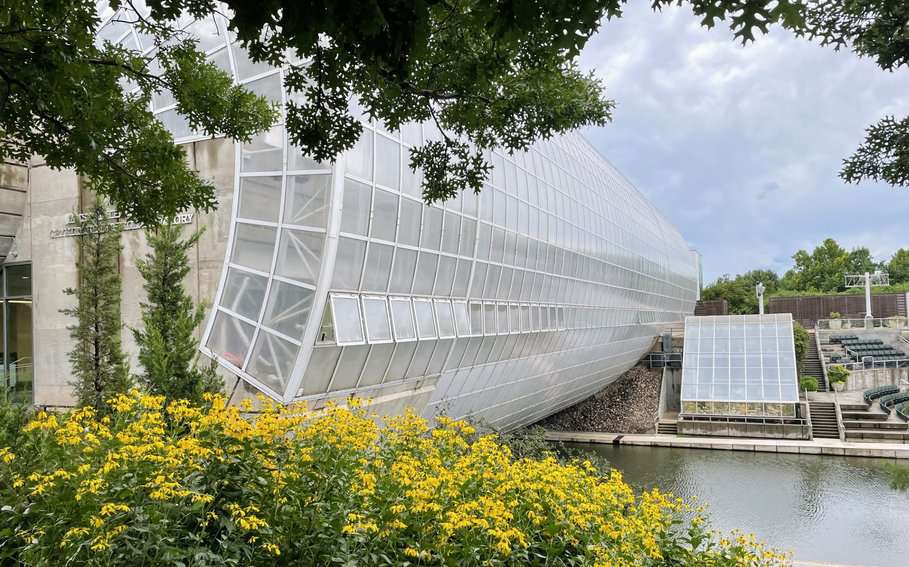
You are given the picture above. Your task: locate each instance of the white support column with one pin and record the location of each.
(868, 296)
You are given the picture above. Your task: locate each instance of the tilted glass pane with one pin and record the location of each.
(348, 264)
(355, 210)
(253, 246)
(288, 309)
(307, 200)
(426, 327)
(445, 318)
(402, 319)
(299, 255)
(230, 338)
(462, 318)
(348, 321)
(243, 293)
(378, 325)
(265, 152)
(272, 361)
(260, 198)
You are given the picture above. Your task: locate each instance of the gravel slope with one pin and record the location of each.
(628, 405)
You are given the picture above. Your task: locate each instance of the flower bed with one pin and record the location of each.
(156, 484)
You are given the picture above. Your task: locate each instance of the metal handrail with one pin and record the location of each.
(841, 430)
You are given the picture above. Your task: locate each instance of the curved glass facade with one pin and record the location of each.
(513, 303)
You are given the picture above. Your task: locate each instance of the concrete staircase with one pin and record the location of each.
(823, 420)
(810, 365)
(668, 427)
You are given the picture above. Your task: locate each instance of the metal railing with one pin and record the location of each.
(826, 325)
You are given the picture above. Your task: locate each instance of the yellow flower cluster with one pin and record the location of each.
(259, 482)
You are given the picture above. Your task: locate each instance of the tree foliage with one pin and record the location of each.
(739, 291)
(100, 369)
(820, 270)
(63, 96)
(878, 29)
(168, 347)
(898, 266)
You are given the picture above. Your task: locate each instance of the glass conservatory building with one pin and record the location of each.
(507, 305)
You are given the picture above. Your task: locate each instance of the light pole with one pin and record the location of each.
(867, 280)
(759, 291)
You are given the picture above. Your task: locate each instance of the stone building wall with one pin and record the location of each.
(52, 195)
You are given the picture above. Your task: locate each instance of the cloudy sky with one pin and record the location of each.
(740, 146)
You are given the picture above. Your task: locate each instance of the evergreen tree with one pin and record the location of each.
(168, 349)
(99, 367)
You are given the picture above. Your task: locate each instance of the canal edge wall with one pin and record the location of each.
(804, 447)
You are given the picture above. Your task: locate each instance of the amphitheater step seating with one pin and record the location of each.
(874, 425)
(878, 436)
(864, 415)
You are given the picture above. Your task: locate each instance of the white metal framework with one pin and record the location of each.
(513, 303)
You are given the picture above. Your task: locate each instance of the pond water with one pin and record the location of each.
(824, 509)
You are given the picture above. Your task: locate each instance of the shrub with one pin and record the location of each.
(837, 373)
(835, 315)
(202, 486)
(800, 337)
(809, 383)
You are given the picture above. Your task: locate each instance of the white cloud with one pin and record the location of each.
(740, 145)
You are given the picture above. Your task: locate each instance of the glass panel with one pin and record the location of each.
(299, 255)
(355, 210)
(385, 215)
(307, 200)
(265, 152)
(348, 324)
(243, 293)
(359, 160)
(18, 280)
(230, 338)
(462, 318)
(272, 361)
(253, 246)
(378, 267)
(402, 275)
(376, 364)
(432, 228)
(319, 370)
(297, 160)
(451, 231)
(378, 325)
(402, 319)
(426, 273)
(388, 162)
(260, 198)
(19, 375)
(476, 318)
(426, 328)
(411, 215)
(445, 318)
(349, 367)
(348, 264)
(288, 308)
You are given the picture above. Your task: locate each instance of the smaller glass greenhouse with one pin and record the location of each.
(739, 365)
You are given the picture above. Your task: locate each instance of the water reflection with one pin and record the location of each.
(824, 509)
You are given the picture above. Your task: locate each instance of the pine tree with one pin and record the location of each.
(168, 348)
(99, 366)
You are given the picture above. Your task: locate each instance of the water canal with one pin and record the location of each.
(824, 509)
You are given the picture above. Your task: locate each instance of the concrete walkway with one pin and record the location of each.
(805, 447)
